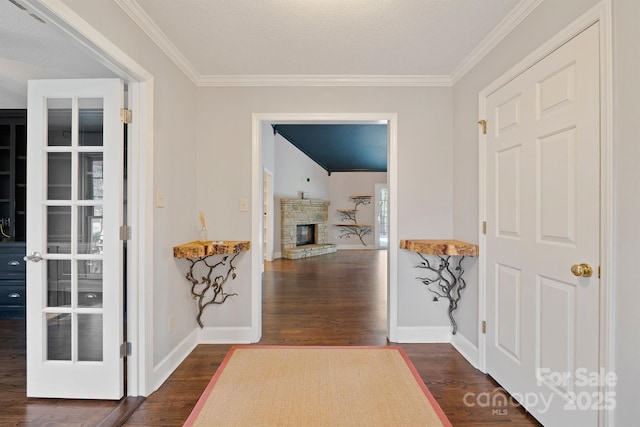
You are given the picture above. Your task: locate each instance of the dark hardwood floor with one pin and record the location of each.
(18, 410)
(337, 299)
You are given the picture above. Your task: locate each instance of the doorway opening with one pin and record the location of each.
(259, 122)
(139, 99)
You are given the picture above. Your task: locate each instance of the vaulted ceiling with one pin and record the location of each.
(341, 147)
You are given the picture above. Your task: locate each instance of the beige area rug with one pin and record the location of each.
(316, 386)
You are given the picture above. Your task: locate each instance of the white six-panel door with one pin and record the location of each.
(543, 203)
(74, 211)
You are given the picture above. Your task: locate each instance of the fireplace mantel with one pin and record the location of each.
(305, 212)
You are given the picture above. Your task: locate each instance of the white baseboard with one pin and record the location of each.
(165, 368)
(466, 349)
(353, 247)
(234, 335)
(277, 255)
(423, 334)
(242, 335)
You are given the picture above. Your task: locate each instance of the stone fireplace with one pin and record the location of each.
(312, 215)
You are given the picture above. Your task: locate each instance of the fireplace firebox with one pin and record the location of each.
(305, 234)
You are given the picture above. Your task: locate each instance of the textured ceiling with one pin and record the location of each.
(311, 37)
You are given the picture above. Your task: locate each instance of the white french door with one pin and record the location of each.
(74, 211)
(543, 225)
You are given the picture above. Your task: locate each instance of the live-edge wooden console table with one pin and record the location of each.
(435, 255)
(209, 289)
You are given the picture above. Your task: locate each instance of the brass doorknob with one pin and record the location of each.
(582, 270)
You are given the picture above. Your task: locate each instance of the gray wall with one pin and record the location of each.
(424, 145)
(626, 135)
(174, 162)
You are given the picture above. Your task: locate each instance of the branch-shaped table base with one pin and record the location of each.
(448, 284)
(443, 280)
(208, 288)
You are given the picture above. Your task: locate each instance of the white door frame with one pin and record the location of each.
(258, 119)
(600, 13)
(268, 177)
(140, 185)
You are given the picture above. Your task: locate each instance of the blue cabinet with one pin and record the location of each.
(13, 292)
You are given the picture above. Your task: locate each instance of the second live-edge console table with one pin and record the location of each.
(209, 288)
(446, 279)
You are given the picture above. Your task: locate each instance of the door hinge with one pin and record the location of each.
(484, 126)
(484, 227)
(484, 326)
(125, 349)
(125, 115)
(598, 272)
(125, 232)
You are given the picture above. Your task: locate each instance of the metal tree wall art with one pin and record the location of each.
(360, 201)
(209, 289)
(443, 282)
(359, 230)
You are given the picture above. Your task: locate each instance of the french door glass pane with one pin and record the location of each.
(59, 176)
(90, 283)
(59, 283)
(90, 176)
(59, 229)
(90, 337)
(90, 235)
(90, 115)
(59, 122)
(58, 336)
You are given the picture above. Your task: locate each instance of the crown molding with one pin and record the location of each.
(144, 21)
(515, 17)
(324, 80)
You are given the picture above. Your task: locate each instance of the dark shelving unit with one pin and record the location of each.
(13, 195)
